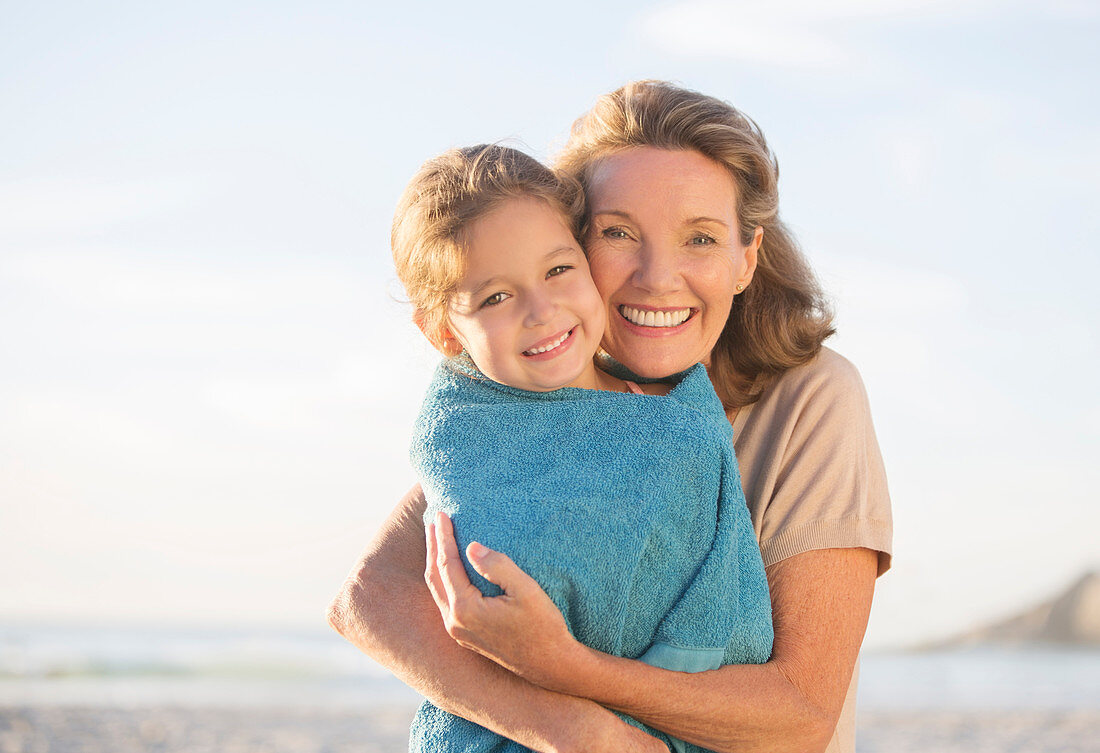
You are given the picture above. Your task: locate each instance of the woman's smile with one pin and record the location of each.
(665, 252)
(645, 317)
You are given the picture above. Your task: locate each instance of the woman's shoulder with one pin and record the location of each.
(827, 369)
(828, 385)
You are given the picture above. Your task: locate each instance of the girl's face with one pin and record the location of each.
(665, 252)
(526, 310)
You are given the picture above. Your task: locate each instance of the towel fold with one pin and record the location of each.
(627, 510)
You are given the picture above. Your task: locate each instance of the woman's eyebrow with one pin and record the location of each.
(715, 220)
(615, 212)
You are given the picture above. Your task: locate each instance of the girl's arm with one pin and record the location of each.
(385, 609)
(821, 600)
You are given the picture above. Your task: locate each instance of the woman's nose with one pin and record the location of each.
(657, 271)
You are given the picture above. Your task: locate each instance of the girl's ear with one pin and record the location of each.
(448, 343)
(438, 335)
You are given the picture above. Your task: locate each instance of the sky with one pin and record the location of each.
(207, 373)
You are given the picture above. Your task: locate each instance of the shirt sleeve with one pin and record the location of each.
(815, 476)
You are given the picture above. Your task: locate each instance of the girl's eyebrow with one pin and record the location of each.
(492, 281)
(562, 250)
(496, 279)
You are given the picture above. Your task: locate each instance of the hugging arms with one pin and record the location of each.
(687, 251)
(820, 602)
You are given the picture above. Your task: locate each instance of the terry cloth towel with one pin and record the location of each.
(627, 510)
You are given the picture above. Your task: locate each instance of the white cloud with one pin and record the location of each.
(756, 33)
(880, 288)
(117, 278)
(48, 206)
(1082, 10)
(805, 34)
(910, 157)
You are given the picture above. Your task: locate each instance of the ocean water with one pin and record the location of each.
(985, 679)
(117, 667)
(128, 667)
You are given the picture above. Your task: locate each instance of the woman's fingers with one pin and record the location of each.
(497, 567)
(451, 572)
(431, 570)
(462, 604)
(518, 630)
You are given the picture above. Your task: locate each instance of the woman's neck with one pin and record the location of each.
(594, 378)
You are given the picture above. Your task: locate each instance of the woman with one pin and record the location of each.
(682, 198)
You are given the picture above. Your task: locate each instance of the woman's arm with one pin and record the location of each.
(820, 604)
(385, 609)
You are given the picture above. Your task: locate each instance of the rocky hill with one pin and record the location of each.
(1070, 619)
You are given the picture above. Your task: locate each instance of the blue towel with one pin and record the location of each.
(627, 509)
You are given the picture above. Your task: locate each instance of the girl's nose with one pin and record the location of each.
(541, 308)
(657, 270)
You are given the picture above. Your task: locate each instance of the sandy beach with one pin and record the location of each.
(384, 730)
(196, 730)
(978, 731)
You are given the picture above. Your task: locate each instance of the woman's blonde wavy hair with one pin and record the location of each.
(448, 194)
(781, 319)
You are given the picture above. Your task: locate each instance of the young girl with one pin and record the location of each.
(626, 508)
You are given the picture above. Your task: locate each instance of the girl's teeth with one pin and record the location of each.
(655, 318)
(551, 346)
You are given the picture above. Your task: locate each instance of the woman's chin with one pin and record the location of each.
(657, 353)
(654, 365)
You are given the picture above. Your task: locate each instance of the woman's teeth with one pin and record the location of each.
(654, 318)
(551, 346)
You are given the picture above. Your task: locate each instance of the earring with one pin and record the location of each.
(449, 344)
(740, 287)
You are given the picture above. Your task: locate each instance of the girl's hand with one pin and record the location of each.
(521, 629)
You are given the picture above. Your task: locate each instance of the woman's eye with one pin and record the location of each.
(614, 232)
(702, 240)
(558, 270)
(494, 299)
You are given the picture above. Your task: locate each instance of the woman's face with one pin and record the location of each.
(665, 253)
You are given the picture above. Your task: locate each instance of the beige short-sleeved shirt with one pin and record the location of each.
(813, 475)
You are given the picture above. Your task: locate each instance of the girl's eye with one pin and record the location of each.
(494, 299)
(702, 240)
(558, 270)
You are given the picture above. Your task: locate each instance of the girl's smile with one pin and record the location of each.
(526, 311)
(551, 347)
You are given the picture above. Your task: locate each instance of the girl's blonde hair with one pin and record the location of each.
(444, 198)
(781, 319)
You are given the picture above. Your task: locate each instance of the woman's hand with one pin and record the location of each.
(522, 629)
(385, 610)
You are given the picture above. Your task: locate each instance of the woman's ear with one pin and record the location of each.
(751, 256)
(439, 335)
